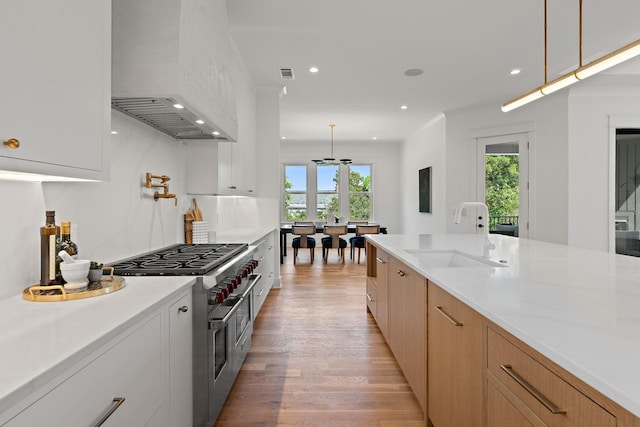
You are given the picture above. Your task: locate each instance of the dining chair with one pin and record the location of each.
(358, 240)
(333, 240)
(303, 240)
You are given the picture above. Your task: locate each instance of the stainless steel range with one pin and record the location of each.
(222, 312)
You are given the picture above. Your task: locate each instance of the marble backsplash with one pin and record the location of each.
(110, 220)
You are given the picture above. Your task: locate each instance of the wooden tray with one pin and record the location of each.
(108, 284)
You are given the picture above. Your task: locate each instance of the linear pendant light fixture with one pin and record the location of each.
(331, 160)
(582, 72)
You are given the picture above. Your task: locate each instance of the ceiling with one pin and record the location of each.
(363, 47)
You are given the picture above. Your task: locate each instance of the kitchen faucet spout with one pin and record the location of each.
(484, 217)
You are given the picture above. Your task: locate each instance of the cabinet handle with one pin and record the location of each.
(261, 292)
(401, 273)
(448, 317)
(380, 260)
(369, 298)
(551, 407)
(183, 309)
(12, 143)
(117, 401)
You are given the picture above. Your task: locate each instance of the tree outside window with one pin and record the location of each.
(295, 192)
(502, 185)
(360, 192)
(328, 196)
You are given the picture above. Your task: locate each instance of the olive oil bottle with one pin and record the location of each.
(49, 243)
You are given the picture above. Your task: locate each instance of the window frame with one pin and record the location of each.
(312, 190)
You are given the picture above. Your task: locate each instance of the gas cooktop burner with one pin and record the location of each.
(179, 260)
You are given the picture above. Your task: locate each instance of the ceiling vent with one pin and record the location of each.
(287, 74)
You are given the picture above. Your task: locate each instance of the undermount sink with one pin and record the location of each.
(451, 259)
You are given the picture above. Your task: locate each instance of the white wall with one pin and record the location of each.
(547, 117)
(424, 148)
(591, 107)
(387, 178)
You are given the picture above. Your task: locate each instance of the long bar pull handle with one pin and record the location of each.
(448, 317)
(551, 407)
(380, 260)
(369, 298)
(117, 401)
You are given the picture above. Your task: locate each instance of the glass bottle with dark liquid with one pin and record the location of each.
(67, 244)
(49, 240)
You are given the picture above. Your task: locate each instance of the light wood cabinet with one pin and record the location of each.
(455, 364)
(56, 87)
(408, 325)
(378, 287)
(543, 395)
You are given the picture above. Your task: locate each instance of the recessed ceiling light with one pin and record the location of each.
(215, 132)
(283, 137)
(375, 137)
(114, 132)
(200, 122)
(313, 70)
(403, 107)
(413, 72)
(515, 71)
(178, 106)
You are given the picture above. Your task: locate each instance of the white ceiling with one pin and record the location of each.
(362, 48)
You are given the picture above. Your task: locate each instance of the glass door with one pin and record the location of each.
(627, 192)
(503, 182)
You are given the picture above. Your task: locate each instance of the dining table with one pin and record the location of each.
(286, 229)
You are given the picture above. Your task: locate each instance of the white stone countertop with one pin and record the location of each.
(580, 308)
(40, 340)
(243, 235)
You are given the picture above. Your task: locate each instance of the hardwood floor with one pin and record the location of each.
(317, 357)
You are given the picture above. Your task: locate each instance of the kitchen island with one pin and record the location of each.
(576, 307)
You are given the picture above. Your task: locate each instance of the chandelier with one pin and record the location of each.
(331, 160)
(582, 72)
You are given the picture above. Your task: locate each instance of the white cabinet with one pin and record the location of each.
(180, 356)
(148, 365)
(56, 87)
(265, 254)
(216, 168)
(130, 369)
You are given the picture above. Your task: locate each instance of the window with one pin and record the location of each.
(360, 192)
(327, 194)
(295, 192)
(343, 190)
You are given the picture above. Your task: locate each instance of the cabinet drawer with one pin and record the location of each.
(132, 369)
(372, 297)
(550, 397)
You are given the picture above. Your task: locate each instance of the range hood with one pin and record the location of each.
(177, 52)
(162, 114)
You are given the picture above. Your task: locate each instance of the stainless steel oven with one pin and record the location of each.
(222, 313)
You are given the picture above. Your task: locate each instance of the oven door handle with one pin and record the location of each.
(255, 278)
(221, 323)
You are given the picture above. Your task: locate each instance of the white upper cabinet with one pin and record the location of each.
(56, 85)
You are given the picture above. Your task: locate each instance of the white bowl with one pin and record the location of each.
(75, 273)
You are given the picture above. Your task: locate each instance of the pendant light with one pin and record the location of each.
(331, 160)
(582, 72)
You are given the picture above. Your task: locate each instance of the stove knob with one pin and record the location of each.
(255, 263)
(239, 279)
(230, 287)
(220, 297)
